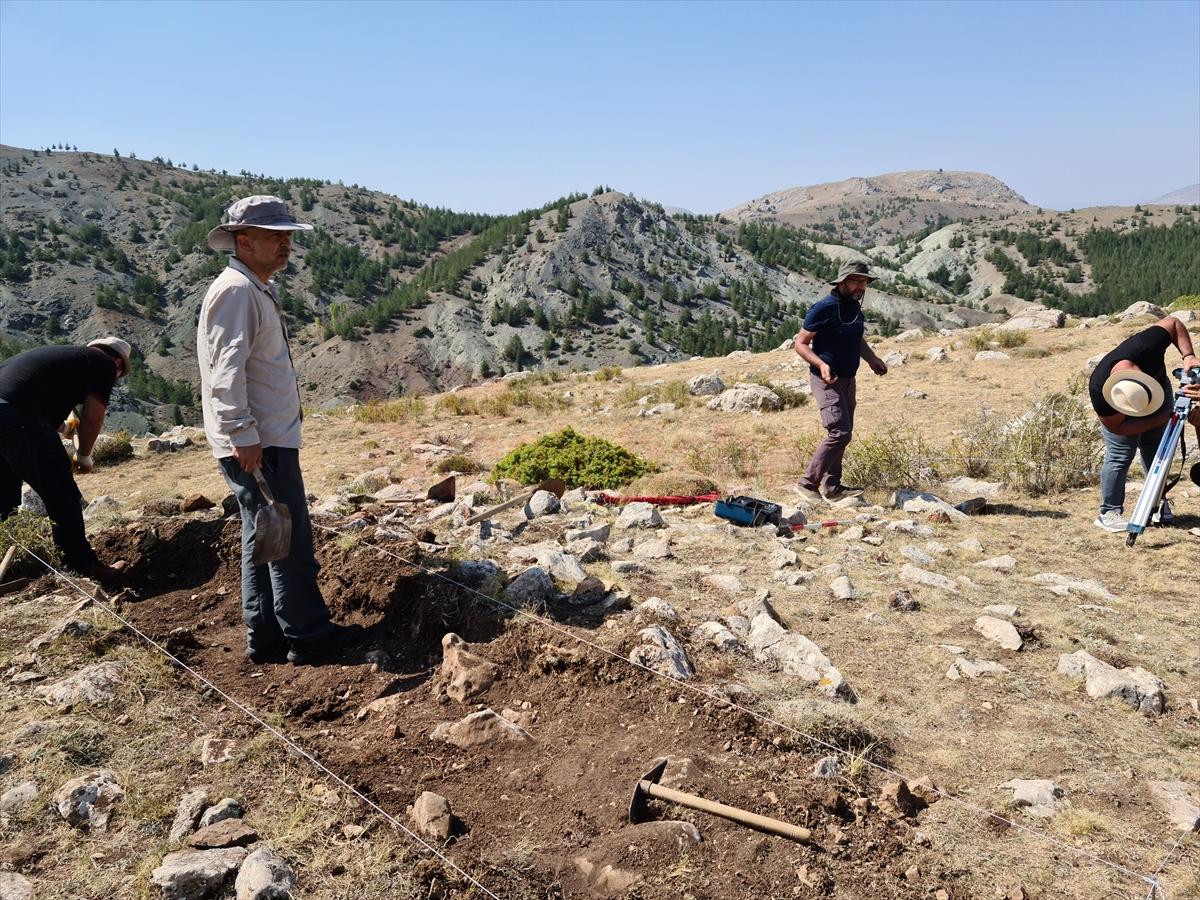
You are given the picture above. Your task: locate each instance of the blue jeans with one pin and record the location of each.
(31, 451)
(1118, 457)
(281, 601)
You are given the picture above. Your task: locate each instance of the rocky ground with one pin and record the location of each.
(1000, 703)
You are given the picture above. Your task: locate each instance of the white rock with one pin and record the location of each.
(196, 874)
(658, 607)
(842, 588)
(1038, 797)
(913, 334)
(917, 555)
(937, 354)
(727, 583)
(15, 887)
(913, 575)
(486, 727)
(707, 385)
(796, 655)
(87, 802)
(746, 398)
(102, 505)
(971, 545)
(17, 798)
(1176, 800)
(973, 487)
(597, 533)
(1000, 632)
(187, 814)
(1141, 308)
(999, 563)
(639, 515)
(1007, 610)
(94, 685)
(1062, 585)
(265, 875)
(662, 653)
(542, 503)
(915, 395)
(31, 502)
(966, 667)
(1034, 318)
(227, 808)
(1134, 686)
(990, 355)
(718, 635)
(433, 817)
(827, 767)
(655, 549)
(895, 359)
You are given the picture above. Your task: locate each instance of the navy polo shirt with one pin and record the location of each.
(839, 328)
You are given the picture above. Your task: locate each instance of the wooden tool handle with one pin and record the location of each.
(761, 823)
(263, 486)
(7, 559)
(507, 504)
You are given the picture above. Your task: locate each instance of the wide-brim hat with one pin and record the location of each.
(1133, 392)
(854, 267)
(117, 346)
(259, 211)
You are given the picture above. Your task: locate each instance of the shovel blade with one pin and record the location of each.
(272, 534)
(443, 491)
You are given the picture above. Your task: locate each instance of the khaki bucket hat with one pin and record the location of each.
(259, 211)
(854, 267)
(1133, 392)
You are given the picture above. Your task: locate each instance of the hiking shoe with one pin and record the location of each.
(1164, 515)
(1113, 520)
(274, 654)
(809, 493)
(318, 650)
(840, 492)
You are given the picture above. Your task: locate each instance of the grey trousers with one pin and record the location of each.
(835, 403)
(281, 601)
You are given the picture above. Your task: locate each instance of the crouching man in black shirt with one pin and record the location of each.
(1132, 396)
(38, 390)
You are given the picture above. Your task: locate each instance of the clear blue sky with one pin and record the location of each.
(497, 106)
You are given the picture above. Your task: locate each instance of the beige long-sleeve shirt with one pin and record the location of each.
(247, 380)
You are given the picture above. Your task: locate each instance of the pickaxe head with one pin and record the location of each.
(638, 803)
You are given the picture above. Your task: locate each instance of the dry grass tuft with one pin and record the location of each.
(402, 410)
(672, 484)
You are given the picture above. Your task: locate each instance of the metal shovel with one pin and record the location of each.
(272, 527)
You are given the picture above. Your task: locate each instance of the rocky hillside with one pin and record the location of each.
(867, 211)
(389, 297)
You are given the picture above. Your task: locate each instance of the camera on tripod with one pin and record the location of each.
(1155, 489)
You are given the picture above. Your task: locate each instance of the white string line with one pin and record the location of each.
(254, 716)
(756, 715)
(1162, 865)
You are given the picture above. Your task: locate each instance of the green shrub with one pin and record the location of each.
(458, 463)
(1053, 447)
(112, 448)
(790, 398)
(1187, 301)
(32, 532)
(580, 461)
(890, 459)
(457, 405)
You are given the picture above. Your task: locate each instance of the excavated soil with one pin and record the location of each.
(524, 815)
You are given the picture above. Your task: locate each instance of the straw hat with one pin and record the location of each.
(1133, 392)
(117, 346)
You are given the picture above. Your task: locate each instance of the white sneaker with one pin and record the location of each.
(1163, 515)
(1113, 520)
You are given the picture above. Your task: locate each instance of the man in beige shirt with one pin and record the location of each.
(252, 420)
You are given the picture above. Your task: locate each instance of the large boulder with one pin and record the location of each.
(1034, 318)
(1141, 308)
(1133, 686)
(746, 397)
(706, 385)
(196, 874)
(639, 515)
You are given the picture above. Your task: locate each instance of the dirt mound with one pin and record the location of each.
(531, 820)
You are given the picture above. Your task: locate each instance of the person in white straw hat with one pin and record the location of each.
(252, 417)
(1130, 393)
(39, 391)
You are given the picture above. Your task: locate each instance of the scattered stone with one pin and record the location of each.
(433, 817)
(727, 583)
(1062, 585)
(1003, 609)
(895, 359)
(853, 533)
(913, 334)
(31, 502)
(1134, 686)
(656, 549)
(597, 533)
(937, 354)
(966, 667)
(990, 355)
(265, 875)
(542, 503)
(1038, 797)
(707, 385)
(195, 503)
(464, 675)
(196, 874)
(999, 563)
(15, 887)
(94, 685)
(532, 588)
(373, 480)
(17, 798)
(590, 590)
(101, 506)
(921, 502)
(481, 728)
(629, 567)
(659, 409)
(917, 555)
(796, 655)
(639, 515)
(903, 601)
(585, 550)
(915, 395)
(226, 833)
(1174, 799)
(1000, 632)
(70, 627)
(1034, 318)
(1141, 308)
(827, 767)
(897, 798)
(228, 808)
(217, 750)
(971, 545)
(659, 608)
(913, 575)
(188, 813)
(662, 653)
(88, 801)
(718, 635)
(842, 588)
(746, 397)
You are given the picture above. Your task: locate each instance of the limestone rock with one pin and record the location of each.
(371, 481)
(228, 808)
(464, 675)
(718, 635)
(1038, 797)
(542, 503)
(1007, 610)
(1062, 585)
(707, 385)
(966, 667)
(485, 727)
(15, 887)
(937, 354)
(659, 608)
(188, 813)
(842, 588)
(598, 533)
(432, 816)
(796, 655)
(990, 356)
(973, 487)
(998, 563)
(532, 588)
(827, 767)
(655, 549)
(639, 515)
(746, 397)
(94, 685)
(1141, 308)
(196, 874)
(1000, 632)
(265, 875)
(730, 584)
(17, 798)
(661, 652)
(88, 801)
(100, 506)
(913, 334)
(917, 555)
(1135, 686)
(1176, 799)
(913, 575)
(1034, 318)
(549, 556)
(895, 359)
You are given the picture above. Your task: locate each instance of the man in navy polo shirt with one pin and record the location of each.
(832, 342)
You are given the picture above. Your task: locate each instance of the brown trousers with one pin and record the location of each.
(836, 404)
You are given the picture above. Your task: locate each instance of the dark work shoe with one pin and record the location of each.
(260, 655)
(319, 650)
(840, 491)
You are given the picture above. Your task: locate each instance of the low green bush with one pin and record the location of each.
(112, 448)
(889, 459)
(579, 460)
(32, 532)
(464, 465)
(1187, 301)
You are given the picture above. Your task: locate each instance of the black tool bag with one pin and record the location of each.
(748, 511)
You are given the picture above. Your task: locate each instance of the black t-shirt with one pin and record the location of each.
(1148, 351)
(49, 381)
